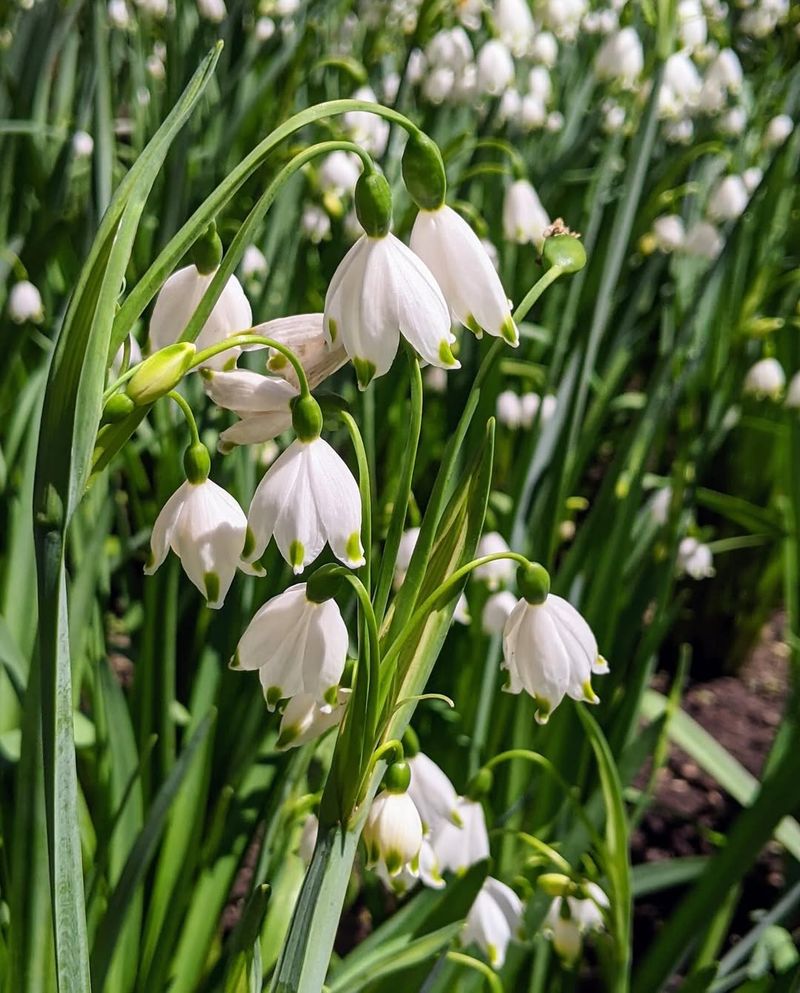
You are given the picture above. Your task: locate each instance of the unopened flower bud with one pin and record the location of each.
(480, 784)
(196, 463)
(397, 778)
(160, 373)
(566, 251)
(533, 581)
(117, 408)
(423, 172)
(374, 203)
(306, 418)
(207, 250)
(556, 884)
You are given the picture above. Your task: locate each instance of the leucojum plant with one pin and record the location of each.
(365, 677)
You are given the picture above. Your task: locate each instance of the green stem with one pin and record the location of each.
(544, 849)
(186, 410)
(536, 291)
(364, 490)
(460, 958)
(245, 338)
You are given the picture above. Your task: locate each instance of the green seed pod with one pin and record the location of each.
(374, 203)
(423, 172)
(306, 418)
(323, 584)
(410, 743)
(160, 373)
(397, 778)
(196, 463)
(207, 250)
(533, 581)
(564, 250)
(117, 408)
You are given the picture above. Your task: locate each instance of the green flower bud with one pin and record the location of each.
(196, 463)
(410, 743)
(323, 584)
(160, 373)
(423, 172)
(117, 408)
(564, 250)
(306, 418)
(397, 778)
(207, 250)
(480, 784)
(374, 203)
(533, 581)
(556, 884)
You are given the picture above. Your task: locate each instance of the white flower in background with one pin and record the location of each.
(723, 76)
(695, 559)
(264, 29)
(532, 113)
(134, 356)
(391, 87)
(728, 199)
(491, 252)
(620, 58)
(206, 528)
(733, 122)
(613, 116)
(692, 26)
(510, 105)
(498, 572)
(680, 132)
(262, 403)
(82, 145)
(254, 264)
(365, 128)
(461, 614)
(381, 290)
(408, 542)
(304, 719)
(214, 11)
(339, 172)
(155, 8)
(659, 505)
(496, 611)
(435, 380)
(450, 50)
(155, 67)
(681, 87)
(433, 794)
(465, 87)
(417, 66)
(544, 49)
(308, 839)
(179, 298)
(765, 379)
(569, 920)
(438, 84)
(549, 651)
(531, 402)
(118, 15)
(793, 392)
(539, 84)
(315, 223)
(469, 13)
(308, 497)
(287, 8)
(427, 873)
(297, 646)
(303, 334)
(495, 68)
(778, 130)
(509, 409)
(524, 218)
(563, 17)
(457, 848)
(493, 920)
(393, 833)
(514, 23)
(454, 254)
(703, 240)
(669, 232)
(25, 303)
(554, 122)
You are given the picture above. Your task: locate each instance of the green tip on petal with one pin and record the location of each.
(333, 329)
(331, 696)
(249, 543)
(446, 356)
(543, 710)
(353, 549)
(272, 695)
(414, 864)
(211, 583)
(471, 324)
(235, 662)
(365, 372)
(394, 862)
(589, 694)
(287, 736)
(492, 954)
(509, 331)
(297, 553)
(278, 362)
(456, 818)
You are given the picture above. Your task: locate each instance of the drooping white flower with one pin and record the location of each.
(134, 356)
(703, 240)
(25, 303)
(339, 172)
(733, 122)
(524, 218)
(298, 646)
(214, 11)
(765, 379)
(438, 84)
(692, 26)
(728, 199)
(457, 848)
(381, 290)
(308, 838)
(494, 574)
(264, 29)
(793, 392)
(206, 528)
(304, 719)
(726, 71)
(563, 17)
(435, 380)
(118, 15)
(613, 117)
(695, 559)
(177, 301)
(778, 130)
(752, 178)
(550, 652)
(461, 614)
(393, 833)
(454, 254)
(427, 873)
(307, 497)
(450, 49)
(531, 404)
(681, 87)
(554, 122)
(365, 128)
(532, 112)
(315, 223)
(540, 84)
(669, 232)
(262, 403)
(405, 550)
(508, 409)
(496, 611)
(82, 145)
(568, 920)
(493, 920)
(544, 49)
(620, 58)
(254, 264)
(433, 794)
(495, 68)
(303, 334)
(514, 23)
(659, 505)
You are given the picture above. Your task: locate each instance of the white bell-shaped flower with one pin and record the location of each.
(493, 920)
(793, 393)
(544, 49)
(726, 71)
(563, 17)
(524, 218)
(454, 254)
(508, 408)
(659, 505)
(303, 334)
(25, 303)
(569, 919)
(620, 57)
(393, 833)
(692, 26)
(304, 719)
(495, 68)
(262, 403)
(496, 611)
(367, 129)
(514, 23)
(778, 130)
(695, 559)
(461, 614)
(457, 848)
(703, 241)
(408, 542)
(82, 145)
(752, 178)
(427, 873)
(532, 112)
(549, 651)
(207, 529)
(315, 223)
(339, 172)
(380, 290)
(432, 792)
(254, 263)
(498, 572)
(532, 403)
(540, 85)
(728, 199)
(212, 10)
(297, 646)
(438, 84)
(765, 379)
(669, 232)
(681, 87)
(177, 301)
